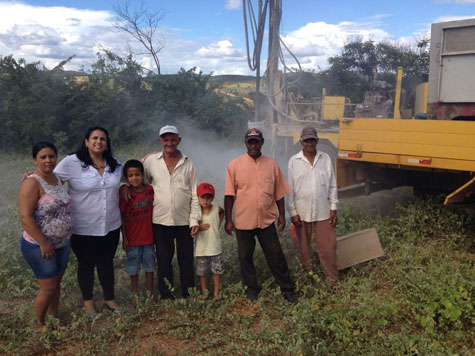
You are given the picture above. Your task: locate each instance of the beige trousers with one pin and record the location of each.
(326, 246)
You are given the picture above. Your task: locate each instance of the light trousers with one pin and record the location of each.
(326, 246)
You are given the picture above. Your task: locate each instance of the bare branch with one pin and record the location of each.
(142, 25)
(61, 64)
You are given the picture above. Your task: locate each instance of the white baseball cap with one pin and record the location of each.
(168, 129)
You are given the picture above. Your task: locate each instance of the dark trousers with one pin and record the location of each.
(165, 237)
(96, 251)
(269, 241)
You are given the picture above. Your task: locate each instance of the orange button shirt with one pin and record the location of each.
(255, 185)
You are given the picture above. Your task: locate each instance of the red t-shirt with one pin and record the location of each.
(137, 217)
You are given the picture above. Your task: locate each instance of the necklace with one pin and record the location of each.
(99, 166)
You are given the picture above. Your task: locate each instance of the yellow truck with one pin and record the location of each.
(431, 155)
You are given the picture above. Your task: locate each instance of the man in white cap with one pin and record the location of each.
(176, 211)
(313, 203)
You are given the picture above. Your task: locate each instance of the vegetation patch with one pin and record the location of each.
(416, 300)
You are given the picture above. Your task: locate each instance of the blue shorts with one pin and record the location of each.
(138, 255)
(45, 268)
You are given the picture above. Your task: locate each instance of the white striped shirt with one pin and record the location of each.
(175, 200)
(94, 198)
(313, 187)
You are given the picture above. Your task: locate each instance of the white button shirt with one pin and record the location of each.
(175, 201)
(313, 187)
(94, 198)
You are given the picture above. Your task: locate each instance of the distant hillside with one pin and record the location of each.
(229, 78)
(239, 85)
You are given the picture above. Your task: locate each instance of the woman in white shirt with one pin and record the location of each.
(93, 177)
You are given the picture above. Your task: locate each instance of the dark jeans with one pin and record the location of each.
(96, 251)
(269, 241)
(165, 237)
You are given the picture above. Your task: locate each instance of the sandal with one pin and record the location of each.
(115, 310)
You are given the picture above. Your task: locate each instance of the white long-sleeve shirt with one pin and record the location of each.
(175, 200)
(94, 198)
(313, 187)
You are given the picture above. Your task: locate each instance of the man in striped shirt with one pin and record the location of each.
(313, 203)
(176, 210)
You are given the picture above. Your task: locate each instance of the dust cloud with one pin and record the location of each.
(210, 154)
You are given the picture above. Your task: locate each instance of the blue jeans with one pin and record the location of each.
(140, 255)
(45, 268)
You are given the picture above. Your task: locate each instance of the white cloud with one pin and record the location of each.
(453, 18)
(424, 32)
(456, 1)
(52, 34)
(378, 16)
(313, 43)
(233, 4)
(221, 49)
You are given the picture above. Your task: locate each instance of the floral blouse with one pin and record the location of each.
(52, 214)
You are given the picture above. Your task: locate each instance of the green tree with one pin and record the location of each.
(189, 96)
(37, 103)
(351, 73)
(113, 96)
(29, 108)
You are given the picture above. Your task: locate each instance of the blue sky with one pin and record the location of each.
(209, 34)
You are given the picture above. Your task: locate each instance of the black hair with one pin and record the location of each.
(133, 163)
(83, 153)
(37, 147)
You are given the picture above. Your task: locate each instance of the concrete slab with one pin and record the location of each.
(357, 247)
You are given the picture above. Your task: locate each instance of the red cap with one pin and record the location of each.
(205, 188)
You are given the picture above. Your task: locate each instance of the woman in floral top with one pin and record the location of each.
(44, 207)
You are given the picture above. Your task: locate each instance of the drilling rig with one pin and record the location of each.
(279, 114)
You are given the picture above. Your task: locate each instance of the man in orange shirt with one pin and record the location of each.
(255, 188)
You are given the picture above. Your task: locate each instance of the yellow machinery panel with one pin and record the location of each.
(459, 195)
(333, 107)
(422, 96)
(397, 98)
(426, 143)
(379, 154)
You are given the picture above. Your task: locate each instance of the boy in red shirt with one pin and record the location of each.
(137, 232)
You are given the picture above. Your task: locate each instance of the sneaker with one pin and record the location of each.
(290, 297)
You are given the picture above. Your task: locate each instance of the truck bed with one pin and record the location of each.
(375, 154)
(419, 143)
